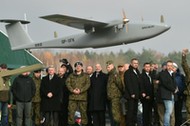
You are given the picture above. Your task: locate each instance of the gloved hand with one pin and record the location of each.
(64, 61)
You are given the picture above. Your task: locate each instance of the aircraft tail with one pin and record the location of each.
(18, 37)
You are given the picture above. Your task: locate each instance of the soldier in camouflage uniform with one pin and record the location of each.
(114, 92)
(36, 99)
(121, 71)
(4, 97)
(187, 74)
(78, 84)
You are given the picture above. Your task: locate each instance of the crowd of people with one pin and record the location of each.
(56, 98)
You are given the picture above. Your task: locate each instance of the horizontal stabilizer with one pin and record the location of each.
(11, 21)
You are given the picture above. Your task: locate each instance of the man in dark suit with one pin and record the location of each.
(50, 91)
(168, 90)
(97, 96)
(132, 91)
(89, 71)
(148, 89)
(64, 71)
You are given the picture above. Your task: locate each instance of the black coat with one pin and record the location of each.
(97, 92)
(132, 83)
(23, 88)
(54, 86)
(167, 85)
(146, 85)
(64, 93)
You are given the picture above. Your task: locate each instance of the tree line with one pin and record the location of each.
(52, 57)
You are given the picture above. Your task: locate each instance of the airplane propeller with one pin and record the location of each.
(161, 19)
(125, 20)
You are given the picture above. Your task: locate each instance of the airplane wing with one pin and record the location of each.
(75, 22)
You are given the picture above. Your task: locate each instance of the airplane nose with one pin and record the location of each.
(167, 27)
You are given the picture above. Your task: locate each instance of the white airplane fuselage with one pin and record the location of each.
(110, 36)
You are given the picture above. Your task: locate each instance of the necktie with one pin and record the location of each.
(149, 78)
(50, 77)
(135, 71)
(97, 74)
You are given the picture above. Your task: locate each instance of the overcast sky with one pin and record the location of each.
(176, 13)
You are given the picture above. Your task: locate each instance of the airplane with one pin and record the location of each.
(97, 34)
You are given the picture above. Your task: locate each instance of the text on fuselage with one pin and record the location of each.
(67, 40)
(146, 27)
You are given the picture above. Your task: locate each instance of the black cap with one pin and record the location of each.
(37, 71)
(3, 66)
(63, 61)
(78, 63)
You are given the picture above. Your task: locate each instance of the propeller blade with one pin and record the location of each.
(124, 15)
(125, 20)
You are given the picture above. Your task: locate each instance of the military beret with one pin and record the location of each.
(109, 62)
(78, 63)
(37, 71)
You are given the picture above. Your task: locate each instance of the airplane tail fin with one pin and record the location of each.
(18, 37)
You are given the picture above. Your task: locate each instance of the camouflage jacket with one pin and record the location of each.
(186, 69)
(121, 75)
(81, 82)
(6, 85)
(37, 97)
(114, 85)
(4, 89)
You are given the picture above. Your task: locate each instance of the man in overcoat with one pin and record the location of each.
(97, 96)
(50, 91)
